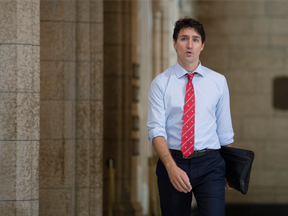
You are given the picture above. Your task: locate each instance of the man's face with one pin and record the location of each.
(188, 46)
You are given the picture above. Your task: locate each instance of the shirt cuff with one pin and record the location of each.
(226, 138)
(155, 133)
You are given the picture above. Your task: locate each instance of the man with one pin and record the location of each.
(188, 121)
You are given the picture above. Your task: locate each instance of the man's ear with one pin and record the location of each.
(174, 44)
(202, 46)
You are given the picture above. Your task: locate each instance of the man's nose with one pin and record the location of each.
(190, 44)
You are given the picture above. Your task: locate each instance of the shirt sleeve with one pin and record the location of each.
(156, 111)
(223, 115)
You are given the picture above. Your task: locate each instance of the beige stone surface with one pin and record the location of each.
(56, 167)
(112, 6)
(83, 41)
(280, 125)
(113, 35)
(57, 41)
(56, 201)
(35, 69)
(82, 164)
(24, 24)
(254, 34)
(83, 119)
(8, 21)
(8, 170)
(28, 116)
(251, 104)
(228, 26)
(71, 108)
(256, 128)
(7, 208)
(269, 178)
(69, 41)
(114, 52)
(35, 22)
(19, 170)
(96, 202)
(24, 68)
(8, 114)
(276, 8)
(52, 80)
(57, 10)
(209, 9)
(96, 11)
(237, 40)
(96, 36)
(238, 9)
(256, 58)
(21, 208)
(23, 170)
(52, 37)
(276, 157)
(82, 201)
(83, 80)
(215, 57)
(69, 80)
(59, 118)
(54, 6)
(279, 40)
(58, 80)
(264, 80)
(96, 81)
(8, 68)
(96, 119)
(267, 25)
(96, 164)
(83, 11)
(241, 81)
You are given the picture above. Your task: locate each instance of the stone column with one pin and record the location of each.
(145, 76)
(89, 107)
(19, 107)
(120, 40)
(161, 35)
(71, 107)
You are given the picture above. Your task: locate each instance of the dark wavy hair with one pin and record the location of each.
(188, 22)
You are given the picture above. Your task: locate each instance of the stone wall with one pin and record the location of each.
(19, 107)
(247, 42)
(71, 108)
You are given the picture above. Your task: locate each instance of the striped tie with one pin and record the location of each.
(188, 129)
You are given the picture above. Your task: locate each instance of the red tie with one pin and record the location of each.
(188, 129)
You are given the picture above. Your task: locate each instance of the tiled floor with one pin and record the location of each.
(253, 210)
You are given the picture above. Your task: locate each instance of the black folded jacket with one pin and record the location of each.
(238, 167)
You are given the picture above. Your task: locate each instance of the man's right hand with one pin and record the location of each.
(179, 179)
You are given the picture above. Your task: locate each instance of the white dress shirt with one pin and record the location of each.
(213, 125)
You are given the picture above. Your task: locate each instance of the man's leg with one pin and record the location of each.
(209, 187)
(172, 202)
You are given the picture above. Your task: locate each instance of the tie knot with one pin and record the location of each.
(190, 76)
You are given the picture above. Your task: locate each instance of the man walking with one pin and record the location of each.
(188, 121)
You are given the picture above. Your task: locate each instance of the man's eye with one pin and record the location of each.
(183, 39)
(196, 40)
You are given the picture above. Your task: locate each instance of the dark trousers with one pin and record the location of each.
(207, 178)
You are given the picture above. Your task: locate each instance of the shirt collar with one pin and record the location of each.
(180, 71)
